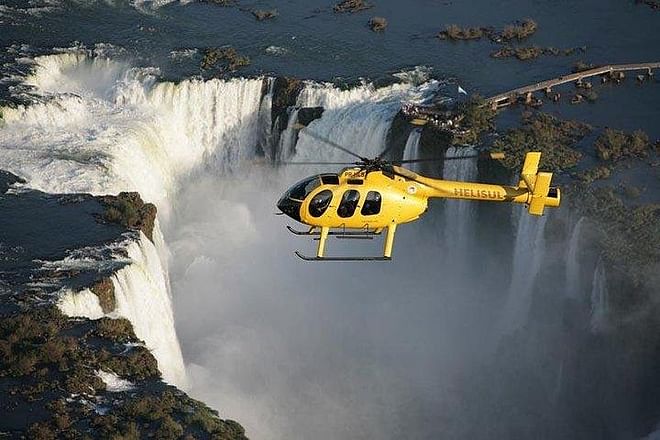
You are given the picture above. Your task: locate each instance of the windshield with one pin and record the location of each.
(302, 189)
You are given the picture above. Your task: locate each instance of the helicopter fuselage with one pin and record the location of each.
(371, 200)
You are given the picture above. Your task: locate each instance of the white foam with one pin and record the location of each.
(114, 383)
(83, 304)
(142, 296)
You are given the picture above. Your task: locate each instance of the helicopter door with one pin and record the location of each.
(349, 202)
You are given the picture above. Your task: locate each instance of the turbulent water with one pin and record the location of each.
(294, 350)
(247, 312)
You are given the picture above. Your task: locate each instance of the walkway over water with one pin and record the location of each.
(506, 98)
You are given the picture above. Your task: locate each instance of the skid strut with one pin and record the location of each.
(323, 234)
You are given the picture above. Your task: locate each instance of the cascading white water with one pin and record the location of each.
(103, 127)
(288, 137)
(573, 261)
(142, 296)
(599, 299)
(411, 150)
(459, 214)
(83, 304)
(358, 118)
(527, 258)
(266, 120)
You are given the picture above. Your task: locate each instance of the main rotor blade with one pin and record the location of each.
(327, 141)
(395, 172)
(494, 156)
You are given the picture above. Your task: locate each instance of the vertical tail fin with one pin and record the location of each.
(541, 194)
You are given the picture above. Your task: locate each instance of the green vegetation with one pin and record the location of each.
(614, 145)
(455, 33)
(596, 173)
(377, 24)
(352, 6)
(520, 30)
(261, 14)
(476, 118)
(524, 53)
(128, 209)
(226, 59)
(105, 291)
(117, 330)
(553, 137)
(630, 240)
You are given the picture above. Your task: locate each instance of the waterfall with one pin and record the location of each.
(83, 304)
(358, 118)
(289, 136)
(527, 258)
(459, 214)
(265, 120)
(411, 151)
(101, 126)
(573, 262)
(599, 299)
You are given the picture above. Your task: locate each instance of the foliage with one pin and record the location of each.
(128, 209)
(476, 118)
(520, 30)
(377, 24)
(613, 145)
(553, 137)
(227, 59)
(262, 14)
(352, 6)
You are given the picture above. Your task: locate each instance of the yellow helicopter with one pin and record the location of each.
(372, 195)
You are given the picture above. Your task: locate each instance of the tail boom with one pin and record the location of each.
(533, 190)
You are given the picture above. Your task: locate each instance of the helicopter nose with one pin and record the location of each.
(289, 207)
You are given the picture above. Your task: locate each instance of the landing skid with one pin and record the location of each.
(321, 234)
(306, 258)
(343, 233)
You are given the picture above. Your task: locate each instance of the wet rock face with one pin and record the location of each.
(127, 209)
(285, 94)
(308, 114)
(8, 179)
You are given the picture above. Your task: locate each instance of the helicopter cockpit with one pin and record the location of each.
(291, 201)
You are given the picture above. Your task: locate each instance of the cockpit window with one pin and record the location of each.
(302, 189)
(348, 203)
(330, 179)
(371, 203)
(320, 203)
